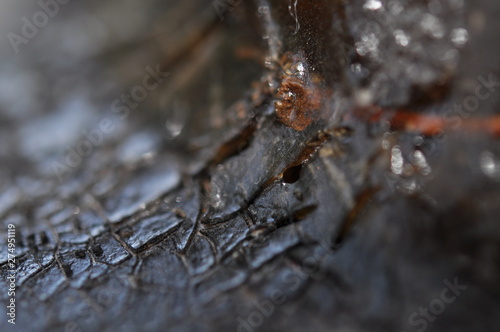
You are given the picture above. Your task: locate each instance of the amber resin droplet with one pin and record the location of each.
(297, 99)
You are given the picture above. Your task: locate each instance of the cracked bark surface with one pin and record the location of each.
(205, 210)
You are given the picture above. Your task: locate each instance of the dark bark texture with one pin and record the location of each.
(310, 165)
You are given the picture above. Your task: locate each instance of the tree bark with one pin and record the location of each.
(319, 165)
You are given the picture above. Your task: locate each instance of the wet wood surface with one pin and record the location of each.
(253, 166)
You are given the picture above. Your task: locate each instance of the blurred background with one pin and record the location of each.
(63, 66)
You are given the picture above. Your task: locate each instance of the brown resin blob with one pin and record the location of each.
(298, 101)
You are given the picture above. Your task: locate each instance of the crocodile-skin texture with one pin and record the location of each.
(205, 210)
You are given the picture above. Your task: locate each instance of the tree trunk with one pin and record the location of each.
(253, 166)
